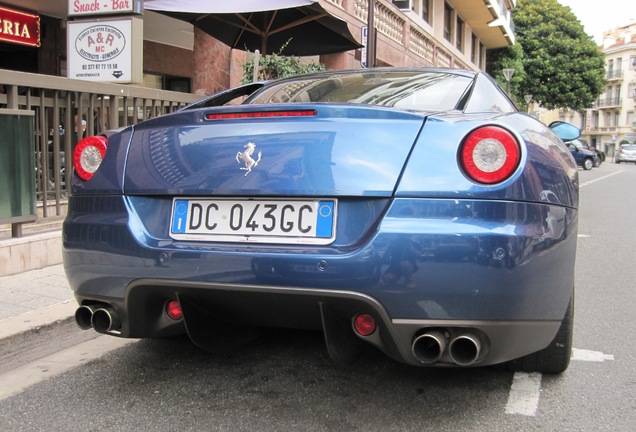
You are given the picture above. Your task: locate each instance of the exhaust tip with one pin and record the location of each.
(105, 320)
(83, 316)
(464, 350)
(429, 347)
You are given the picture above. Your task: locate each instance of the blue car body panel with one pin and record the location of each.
(417, 243)
(327, 154)
(488, 252)
(432, 169)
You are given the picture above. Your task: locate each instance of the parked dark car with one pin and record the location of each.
(413, 210)
(586, 159)
(581, 144)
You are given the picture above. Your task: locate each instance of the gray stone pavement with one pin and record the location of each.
(34, 299)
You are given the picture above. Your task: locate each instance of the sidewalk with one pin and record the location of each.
(35, 299)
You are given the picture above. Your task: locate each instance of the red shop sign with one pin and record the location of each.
(19, 27)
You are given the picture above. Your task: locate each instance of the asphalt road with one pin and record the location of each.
(286, 382)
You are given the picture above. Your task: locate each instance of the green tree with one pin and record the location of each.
(508, 58)
(277, 66)
(563, 67)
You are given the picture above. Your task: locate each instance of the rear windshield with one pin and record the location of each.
(428, 91)
(629, 147)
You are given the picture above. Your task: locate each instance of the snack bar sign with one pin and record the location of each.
(102, 7)
(19, 28)
(107, 51)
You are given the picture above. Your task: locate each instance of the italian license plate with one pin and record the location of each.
(254, 220)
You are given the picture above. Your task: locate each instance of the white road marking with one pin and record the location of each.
(599, 179)
(591, 356)
(523, 398)
(17, 380)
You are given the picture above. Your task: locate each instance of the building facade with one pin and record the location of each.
(173, 64)
(612, 120)
(176, 56)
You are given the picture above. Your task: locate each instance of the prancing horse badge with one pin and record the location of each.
(246, 157)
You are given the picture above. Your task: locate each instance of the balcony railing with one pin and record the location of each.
(67, 110)
(392, 23)
(609, 102)
(614, 74)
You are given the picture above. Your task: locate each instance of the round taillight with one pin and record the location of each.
(364, 324)
(489, 154)
(88, 156)
(173, 310)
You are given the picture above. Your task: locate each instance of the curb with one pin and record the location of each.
(32, 252)
(34, 335)
(37, 320)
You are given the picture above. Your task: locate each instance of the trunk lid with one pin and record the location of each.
(336, 150)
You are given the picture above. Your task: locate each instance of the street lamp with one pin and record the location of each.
(371, 48)
(528, 99)
(508, 74)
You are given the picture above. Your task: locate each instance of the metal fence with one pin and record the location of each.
(67, 110)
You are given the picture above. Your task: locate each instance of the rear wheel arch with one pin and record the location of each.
(555, 358)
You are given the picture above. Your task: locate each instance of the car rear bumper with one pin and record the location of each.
(623, 158)
(211, 308)
(498, 272)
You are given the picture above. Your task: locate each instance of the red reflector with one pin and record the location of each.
(489, 154)
(364, 324)
(173, 310)
(260, 114)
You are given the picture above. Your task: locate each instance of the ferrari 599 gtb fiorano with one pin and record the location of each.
(413, 210)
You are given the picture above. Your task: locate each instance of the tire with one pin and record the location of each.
(597, 163)
(588, 164)
(554, 359)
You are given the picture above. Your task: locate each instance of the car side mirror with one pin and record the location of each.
(565, 131)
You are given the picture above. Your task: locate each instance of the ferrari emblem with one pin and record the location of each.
(246, 157)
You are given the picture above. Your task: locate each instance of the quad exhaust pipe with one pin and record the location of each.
(463, 350)
(429, 347)
(84, 315)
(100, 317)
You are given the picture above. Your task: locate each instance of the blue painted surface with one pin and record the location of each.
(341, 151)
(474, 259)
(412, 230)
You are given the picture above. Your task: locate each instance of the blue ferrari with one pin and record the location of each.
(411, 210)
